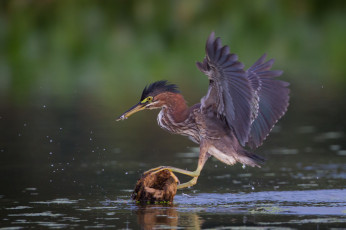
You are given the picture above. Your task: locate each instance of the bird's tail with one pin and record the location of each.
(248, 158)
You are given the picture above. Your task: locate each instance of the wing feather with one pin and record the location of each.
(229, 93)
(248, 102)
(270, 102)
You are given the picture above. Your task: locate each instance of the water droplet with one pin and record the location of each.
(90, 139)
(19, 134)
(244, 166)
(126, 173)
(104, 149)
(103, 170)
(24, 124)
(50, 141)
(60, 128)
(52, 165)
(92, 151)
(253, 188)
(44, 106)
(215, 166)
(50, 153)
(184, 194)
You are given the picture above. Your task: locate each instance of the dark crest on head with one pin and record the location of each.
(159, 87)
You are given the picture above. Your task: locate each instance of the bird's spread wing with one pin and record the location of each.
(230, 93)
(250, 102)
(270, 99)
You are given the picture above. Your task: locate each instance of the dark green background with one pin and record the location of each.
(108, 51)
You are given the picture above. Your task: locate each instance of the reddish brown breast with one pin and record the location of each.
(176, 117)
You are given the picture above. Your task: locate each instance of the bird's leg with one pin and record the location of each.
(172, 169)
(203, 157)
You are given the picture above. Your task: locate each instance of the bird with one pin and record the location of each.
(235, 116)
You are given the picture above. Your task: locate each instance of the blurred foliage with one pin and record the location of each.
(109, 50)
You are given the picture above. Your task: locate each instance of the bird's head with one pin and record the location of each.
(153, 96)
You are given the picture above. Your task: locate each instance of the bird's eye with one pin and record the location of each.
(148, 99)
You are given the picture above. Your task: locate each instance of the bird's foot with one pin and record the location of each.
(160, 169)
(155, 170)
(188, 184)
(172, 169)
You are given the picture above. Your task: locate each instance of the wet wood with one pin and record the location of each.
(158, 187)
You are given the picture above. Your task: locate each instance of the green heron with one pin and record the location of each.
(240, 108)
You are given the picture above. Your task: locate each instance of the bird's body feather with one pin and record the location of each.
(198, 125)
(240, 107)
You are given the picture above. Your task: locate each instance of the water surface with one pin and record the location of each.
(75, 167)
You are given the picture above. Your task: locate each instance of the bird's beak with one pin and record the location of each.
(132, 110)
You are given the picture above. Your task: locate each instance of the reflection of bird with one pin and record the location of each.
(240, 108)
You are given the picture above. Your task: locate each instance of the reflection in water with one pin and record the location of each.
(166, 217)
(195, 211)
(150, 216)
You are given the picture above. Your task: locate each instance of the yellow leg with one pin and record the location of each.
(188, 184)
(172, 169)
(194, 174)
(203, 156)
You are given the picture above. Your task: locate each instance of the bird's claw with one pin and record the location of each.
(156, 170)
(161, 168)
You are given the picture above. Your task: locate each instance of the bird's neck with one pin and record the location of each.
(177, 108)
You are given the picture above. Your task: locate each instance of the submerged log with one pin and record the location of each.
(159, 187)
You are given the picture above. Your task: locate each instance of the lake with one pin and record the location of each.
(74, 167)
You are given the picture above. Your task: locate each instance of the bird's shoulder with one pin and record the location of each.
(209, 124)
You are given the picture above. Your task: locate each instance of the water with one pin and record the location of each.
(75, 167)
(306, 208)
